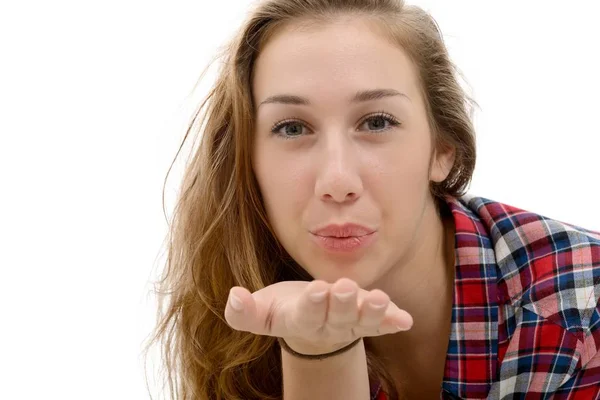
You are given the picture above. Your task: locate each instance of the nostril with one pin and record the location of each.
(340, 197)
(351, 196)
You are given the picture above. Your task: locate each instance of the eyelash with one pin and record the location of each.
(380, 114)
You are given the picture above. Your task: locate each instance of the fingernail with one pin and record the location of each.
(236, 303)
(344, 296)
(403, 328)
(377, 306)
(318, 296)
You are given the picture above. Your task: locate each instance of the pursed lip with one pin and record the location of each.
(343, 231)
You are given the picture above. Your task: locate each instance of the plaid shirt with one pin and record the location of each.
(525, 318)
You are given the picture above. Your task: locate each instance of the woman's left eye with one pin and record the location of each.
(377, 123)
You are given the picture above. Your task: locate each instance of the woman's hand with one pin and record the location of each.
(315, 317)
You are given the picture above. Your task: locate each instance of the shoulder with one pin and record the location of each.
(546, 268)
(548, 287)
(550, 267)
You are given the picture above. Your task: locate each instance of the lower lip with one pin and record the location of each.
(344, 245)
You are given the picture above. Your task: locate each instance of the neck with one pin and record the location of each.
(426, 272)
(422, 284)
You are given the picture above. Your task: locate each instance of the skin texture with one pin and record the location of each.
(342, 162)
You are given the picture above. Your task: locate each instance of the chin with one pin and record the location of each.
(330, 271)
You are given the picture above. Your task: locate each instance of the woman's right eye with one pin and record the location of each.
(288, 129)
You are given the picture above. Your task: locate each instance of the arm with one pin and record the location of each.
(318, 318)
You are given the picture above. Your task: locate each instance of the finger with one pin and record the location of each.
(397, 317)
(240, 311)
(343, 307)
(311, 312)
(373, 308)
(379, 316)
(395, 320)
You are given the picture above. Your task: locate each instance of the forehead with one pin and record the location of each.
(332, 60)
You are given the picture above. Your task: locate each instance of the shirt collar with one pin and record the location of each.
(473, 344)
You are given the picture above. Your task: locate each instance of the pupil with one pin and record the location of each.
(379, 125)
(293, 129)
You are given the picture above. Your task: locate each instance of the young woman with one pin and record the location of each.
(323, 247)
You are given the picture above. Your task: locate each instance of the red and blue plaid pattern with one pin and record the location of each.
(525, 319)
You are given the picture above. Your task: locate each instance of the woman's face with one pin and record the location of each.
(342, 137)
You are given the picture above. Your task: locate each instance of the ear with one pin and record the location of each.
(441, 163)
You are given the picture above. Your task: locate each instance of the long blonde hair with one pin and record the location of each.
(220, 235)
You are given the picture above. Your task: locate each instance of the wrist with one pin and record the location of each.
(308, 350)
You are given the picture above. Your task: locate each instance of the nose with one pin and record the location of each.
(338, 176)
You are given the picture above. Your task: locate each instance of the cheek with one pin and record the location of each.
(284, 182)
(398, 171)
(399, 185)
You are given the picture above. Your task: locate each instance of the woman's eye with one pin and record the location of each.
(377, 123)
(289, 130)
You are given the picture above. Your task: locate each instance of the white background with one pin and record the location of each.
(93, 100)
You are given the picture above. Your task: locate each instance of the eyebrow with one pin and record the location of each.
(359, 97)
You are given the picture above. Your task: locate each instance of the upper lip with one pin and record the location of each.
(345, 230)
